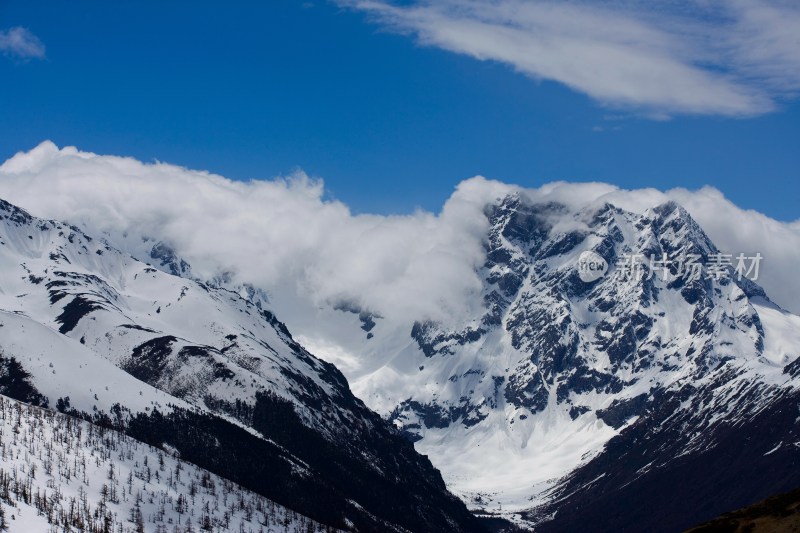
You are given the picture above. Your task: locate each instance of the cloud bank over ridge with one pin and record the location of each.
(284, 233)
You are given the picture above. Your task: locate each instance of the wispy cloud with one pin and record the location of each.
(20, 43)
(733, 58)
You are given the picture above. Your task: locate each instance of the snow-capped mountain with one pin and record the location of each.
(561, 394)
(205, 373)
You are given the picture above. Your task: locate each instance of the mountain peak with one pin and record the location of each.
(551, 350)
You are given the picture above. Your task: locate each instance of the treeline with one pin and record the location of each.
(81, 477)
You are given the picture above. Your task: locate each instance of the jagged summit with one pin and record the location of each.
(574, 339)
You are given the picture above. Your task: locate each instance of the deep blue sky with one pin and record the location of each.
(255, 91)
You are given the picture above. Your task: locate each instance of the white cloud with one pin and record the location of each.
(21, 43)
(735, 58)
(278, 233)
(283, 235)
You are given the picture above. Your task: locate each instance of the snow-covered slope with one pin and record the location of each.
(59, 472)
(176, 362)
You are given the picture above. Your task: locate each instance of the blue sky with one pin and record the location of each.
(390, 110)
